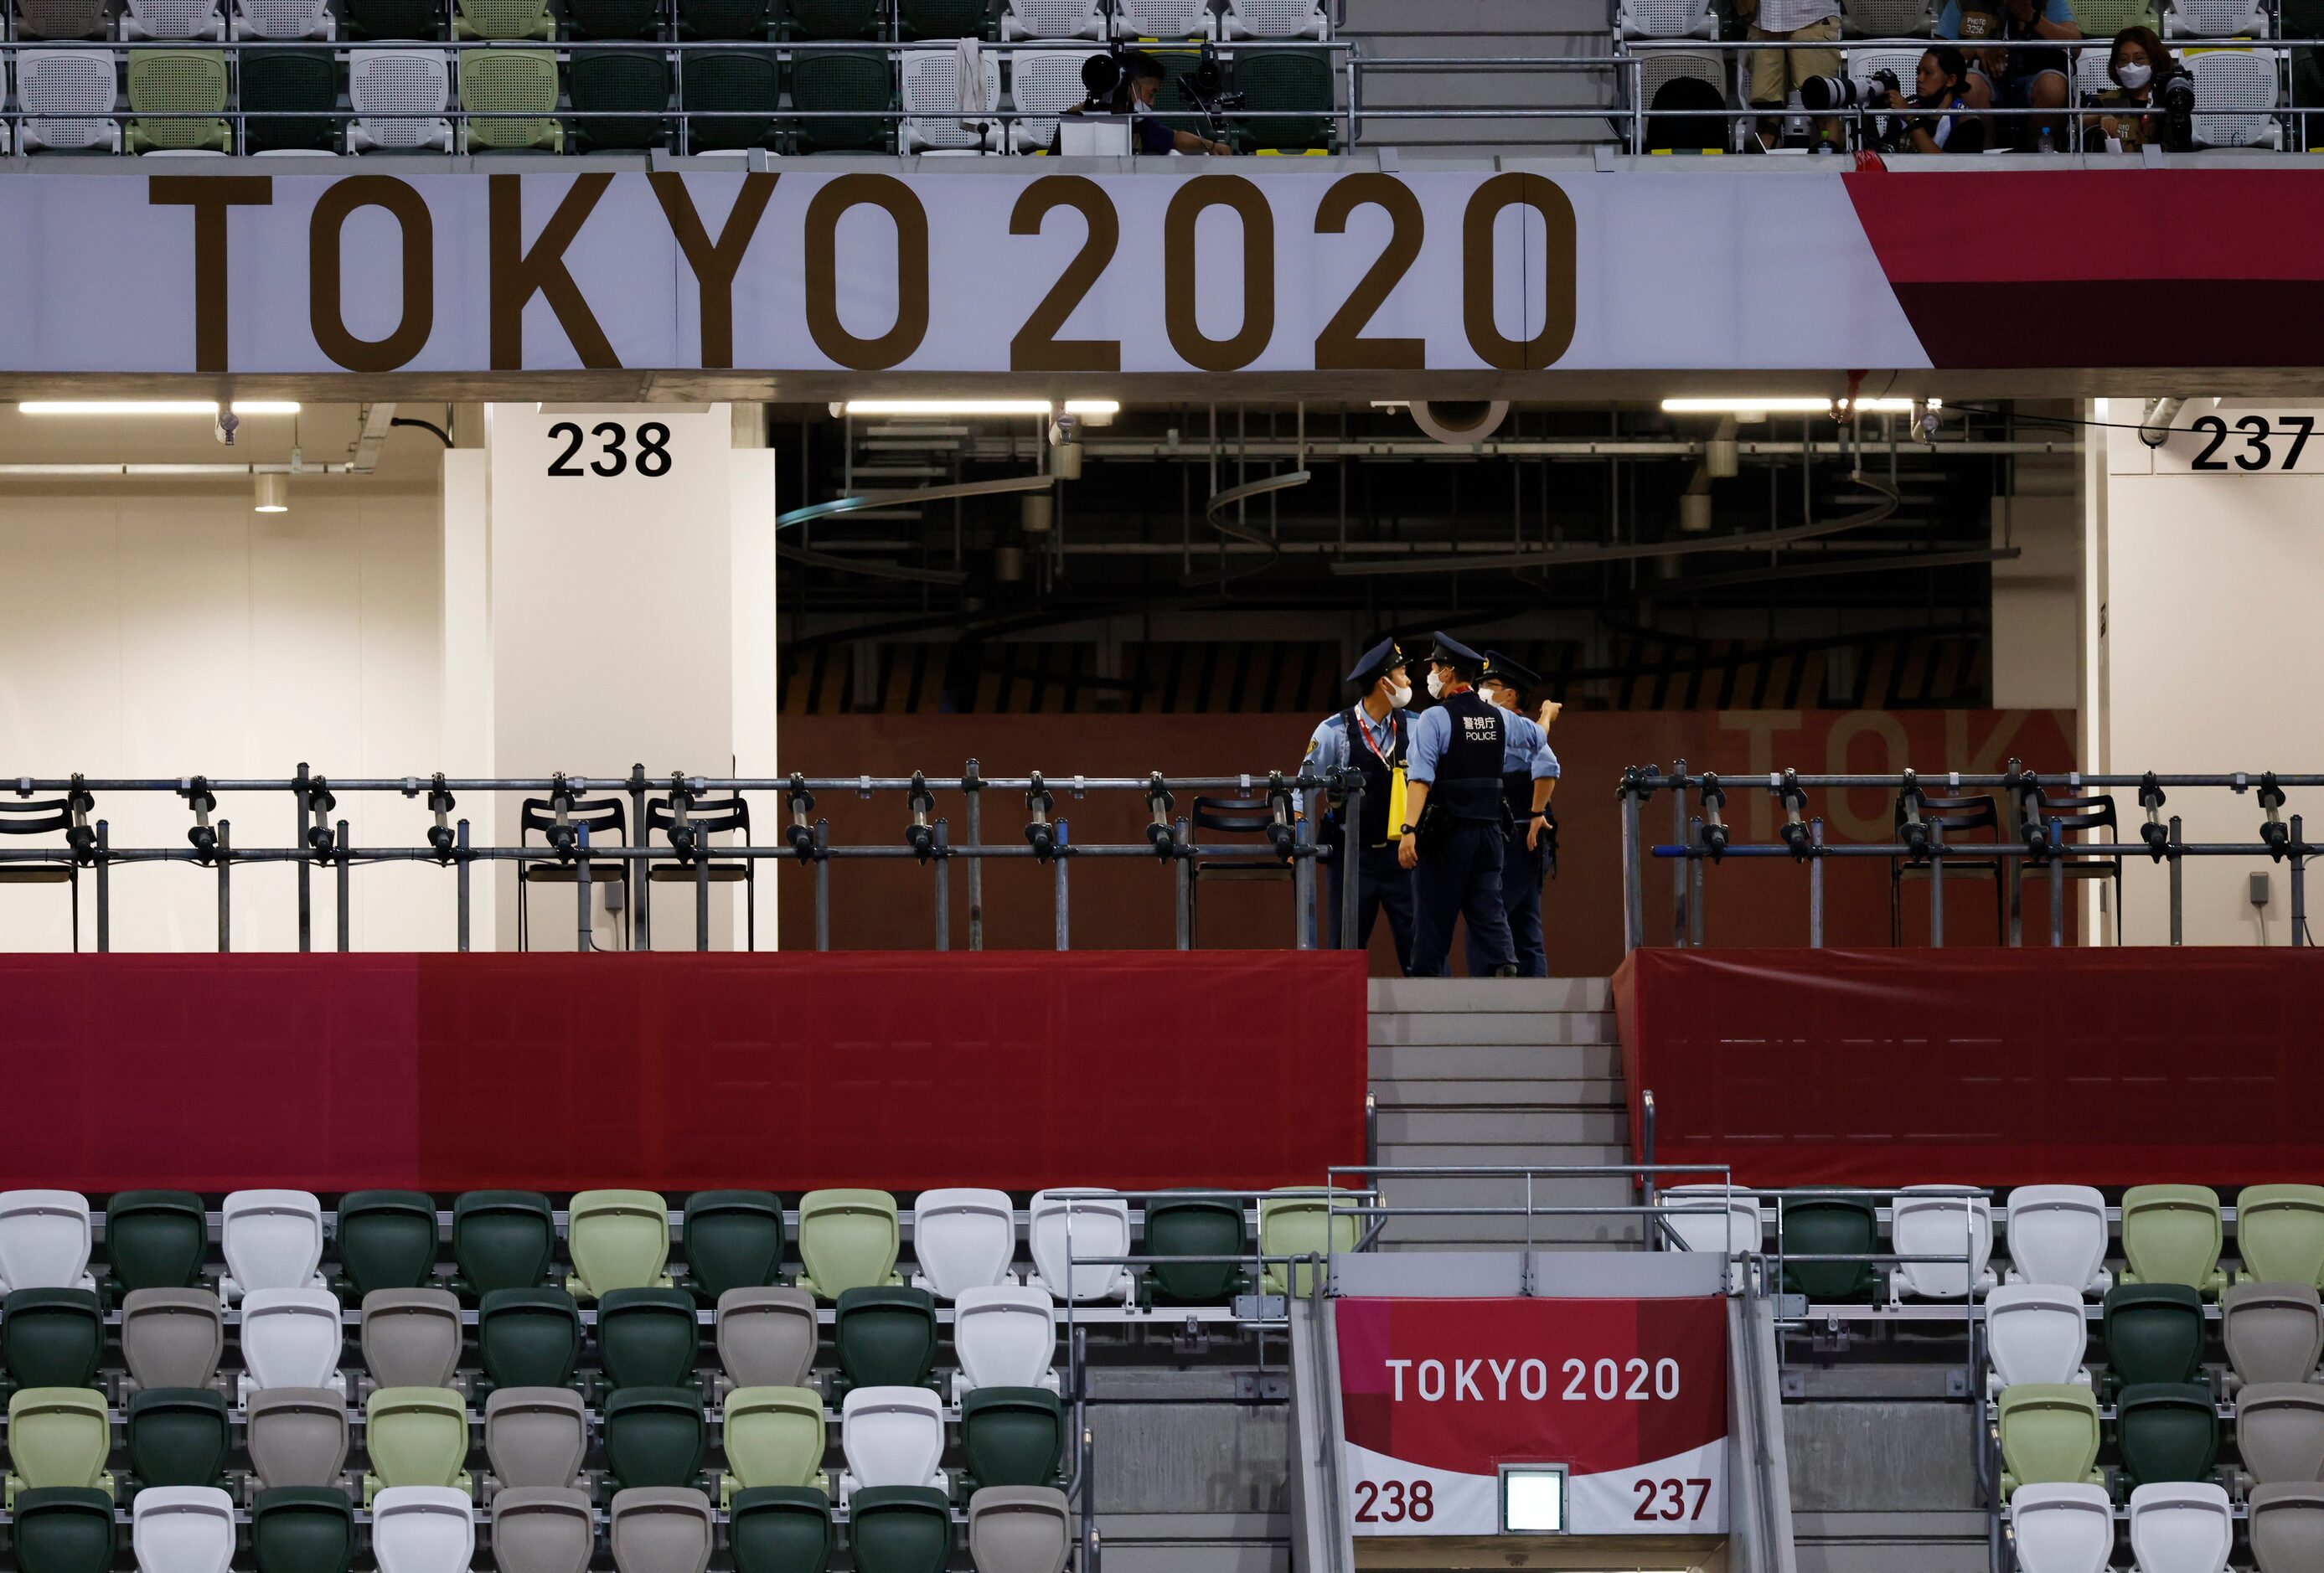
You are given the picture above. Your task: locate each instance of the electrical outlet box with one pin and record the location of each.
(2259, 889)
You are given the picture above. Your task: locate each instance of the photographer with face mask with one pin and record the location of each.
(1372, 735)
(1936, 118)
(1138, 84)
(2136, 111)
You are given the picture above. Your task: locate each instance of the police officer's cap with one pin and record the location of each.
(1454, 652)
(1374, 663)
(1499, 666)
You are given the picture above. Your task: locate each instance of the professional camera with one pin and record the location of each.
(1831, 94)
(1102, 78)
(2176, 94)
(1205, 88)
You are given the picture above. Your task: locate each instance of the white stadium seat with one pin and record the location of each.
(2058, 1235)
(1737, 1232)
(2236, 97)
(65, 94)
(963, 1238)
(1006, 1336)
(1163, 19)
(932, 106)
(423, 1529)
(272, 1239)
(45, 1234)
(890, 1436)
(290, 1338)
(1277, 19)
(2036, 1333)
(283, 19)
(1100, 1228)
(2180, 1529)
(1667, 19)
(2063, 1528)
(173, 19)
(1925, 1221)
(1052, 18)
(2214, 19)
(413, 85)
(182, 1529)
(1043, 84)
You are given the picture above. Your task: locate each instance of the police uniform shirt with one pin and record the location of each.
(1328, 749)
(1526, 749)
(1432, 737)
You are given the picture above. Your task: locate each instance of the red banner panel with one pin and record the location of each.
(556, 1072)
(2095, 1066)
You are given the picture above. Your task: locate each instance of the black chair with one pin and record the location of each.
(597, 815)
(2070, 816)
(707, 817)
(42, 817)
(1959, 817)
(1234, 816)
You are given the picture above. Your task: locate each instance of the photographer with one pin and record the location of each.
(1937, 118)
(2017, 78)
(1142, 78)
(2138, 109)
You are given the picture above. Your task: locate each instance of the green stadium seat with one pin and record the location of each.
(2049, 1436)
(177, 1436)
(1013, 1436)
(2171, 1234)
(733, 87)
(654, 1436)
(733, 1240)
(2153, 1333)
(154, 1239)
(885, 1337)
(831, 19)
(52, 1337)
(648, 1338)
(503, 21)
(1197, 1227)
(901, 1529)
(627, 83)
(58, 1437)
(2280, 1233)
(595, 19)
(415, 1436)
(849, 82)
(413, 19)
(511, 82)
(302, 1529)
(847, 1239)
(731, 21)
(528, 1338)
(177, 81)
(386, 1239)
(63, 1529)
(1830, 1225)
(780, 1528)
(926, 19)
(2167, 1432)
(502, 1239)
(618, 1239)
(773, 1437)
(1297, 1220)
(1292, 82)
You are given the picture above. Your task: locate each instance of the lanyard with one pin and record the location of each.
(1363, 729)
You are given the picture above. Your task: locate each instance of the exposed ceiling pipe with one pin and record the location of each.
(2155, 424)
(150, 472)
(376, 421)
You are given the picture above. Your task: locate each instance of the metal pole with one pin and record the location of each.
(975, 866)
(1303, 883)
(1681, 872)
(1702, 878)
(1351, 860)
(1815, 885)
(2298, 887)
(584, 940)
(1185, 892)
(823, 884)
(944, 900)
(460, 873)
(1065, 911)
(103, 888)
(2178, 890)
(345, 876)
(306, 908)
(638, 867)
(2057, 900)
(702, 894)
(1937, 884)
(226, 898)
(1634, 914)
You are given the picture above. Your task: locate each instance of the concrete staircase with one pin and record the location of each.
(1474, 1074)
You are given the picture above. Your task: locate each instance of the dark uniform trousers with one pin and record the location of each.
(1461, 876)
(1382, 885)
(1521, 876)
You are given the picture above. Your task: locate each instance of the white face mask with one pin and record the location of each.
(1398, 698)
(1436, 684)
(2134, 77)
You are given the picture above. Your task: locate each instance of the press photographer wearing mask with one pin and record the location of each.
(2140, 107)
(1142, 77)
(1937, 117)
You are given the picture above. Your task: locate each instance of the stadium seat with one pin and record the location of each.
(2067, 1527)
(2214, 19)
(618, 1239)
(386, 1238)
(1925, 1222)
(962, 1239)
(855, 88)
(411, 1337)
(1013, 1436)
(61, 1530)
(173, 19)
(297, 1436)
(1052, 18)
(272, 1239)
(885, 1338)
(1043, 84)
(611, 19)
(933, 114)
(2280, 1233)
(773, 1437)
(1700, 1227)
(1300, 1221)
(1891, 19)
(510, 82)
(2287, 1528)
(2171, 1234)
(2235, 94)
(767, 1337)
(1197, 1226)
(290, 1338)
(890, 1436)
(734, 86)
(172, 1337)
(648, 1338)
(416, 1437)
(503, 21)
(182, 1529)
(414, 19)
(422, 1528)
(661, 1530)
(297, 1529)
(1294, 83)
(284, 20)
(58, 1437)
(415, 87)
(2153, 1333)
(177, 1436)
(154, 1239)
(541, 1528)
(775, 1529)
(502, 1239)
(929, 19)
(2049, 1436)
(2167, 1432)
(177, 81)
(52, 1337)
(1829, 1226)
(831, 19)
(2058, 1235)
(283, 83)
(725, 20)
(1657, 71)
(2102, 19)
(1163, 19)
(529, 1337)
(1272, 19)
(2274, 1332)
(45, 1235)
(1098, 1222)
(2280, 1431)
(536, 1436)
(901, 1529)
(1664, 19)
(847, 1239)
(62, 19)
(734, 1239)
(1019, 1529)
(654, 1436)
(2035, 1333)
(2180, 1527)
(1005, 1337)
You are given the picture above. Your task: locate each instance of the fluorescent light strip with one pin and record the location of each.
(152, 407)
(1790, 406)
(1027, 407)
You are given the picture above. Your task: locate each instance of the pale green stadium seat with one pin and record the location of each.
(58, 1437)
(416, 1436)
(2280, 1233)
(2171, 1234)
(617, 1239)
(847, 1239)
(191, 81)
(511, 82)
(1297, 1220)
(773, 1437)
(2049, 1435)
(503, 20)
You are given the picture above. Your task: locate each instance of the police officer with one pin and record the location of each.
(1372, 734)
(1528, 781)
(1452, 838)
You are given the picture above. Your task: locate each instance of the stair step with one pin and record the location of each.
(1495, 1061)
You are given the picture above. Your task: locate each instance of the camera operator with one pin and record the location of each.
(1937, 118)
(2018, 78)
(2140, 108)
(1142, 81)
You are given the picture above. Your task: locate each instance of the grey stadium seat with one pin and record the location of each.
(297, 1436)
(536, 1436)
(411, 1337)
(2274, 1332)
(767, 1337)
(172, 1337)
(2280, 1431)
(1019, 1529)
(2287, 1527)
(661, 1530)
(543, 1529)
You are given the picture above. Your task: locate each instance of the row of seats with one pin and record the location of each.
(2100, 20)
(2070, 1528)
(397, 100)
(962, 1239)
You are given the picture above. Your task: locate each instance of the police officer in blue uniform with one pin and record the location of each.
(1453, 843)
(1372, 734)
(1529, 845)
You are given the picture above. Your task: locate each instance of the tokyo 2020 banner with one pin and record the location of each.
(1628, 1396)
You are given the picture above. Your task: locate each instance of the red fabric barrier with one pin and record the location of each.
(2098, 1066)
(447, 1072)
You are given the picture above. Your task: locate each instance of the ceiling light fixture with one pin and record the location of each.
(1792, 406)
(273, 493)
(152, 407)
(1027, 407)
